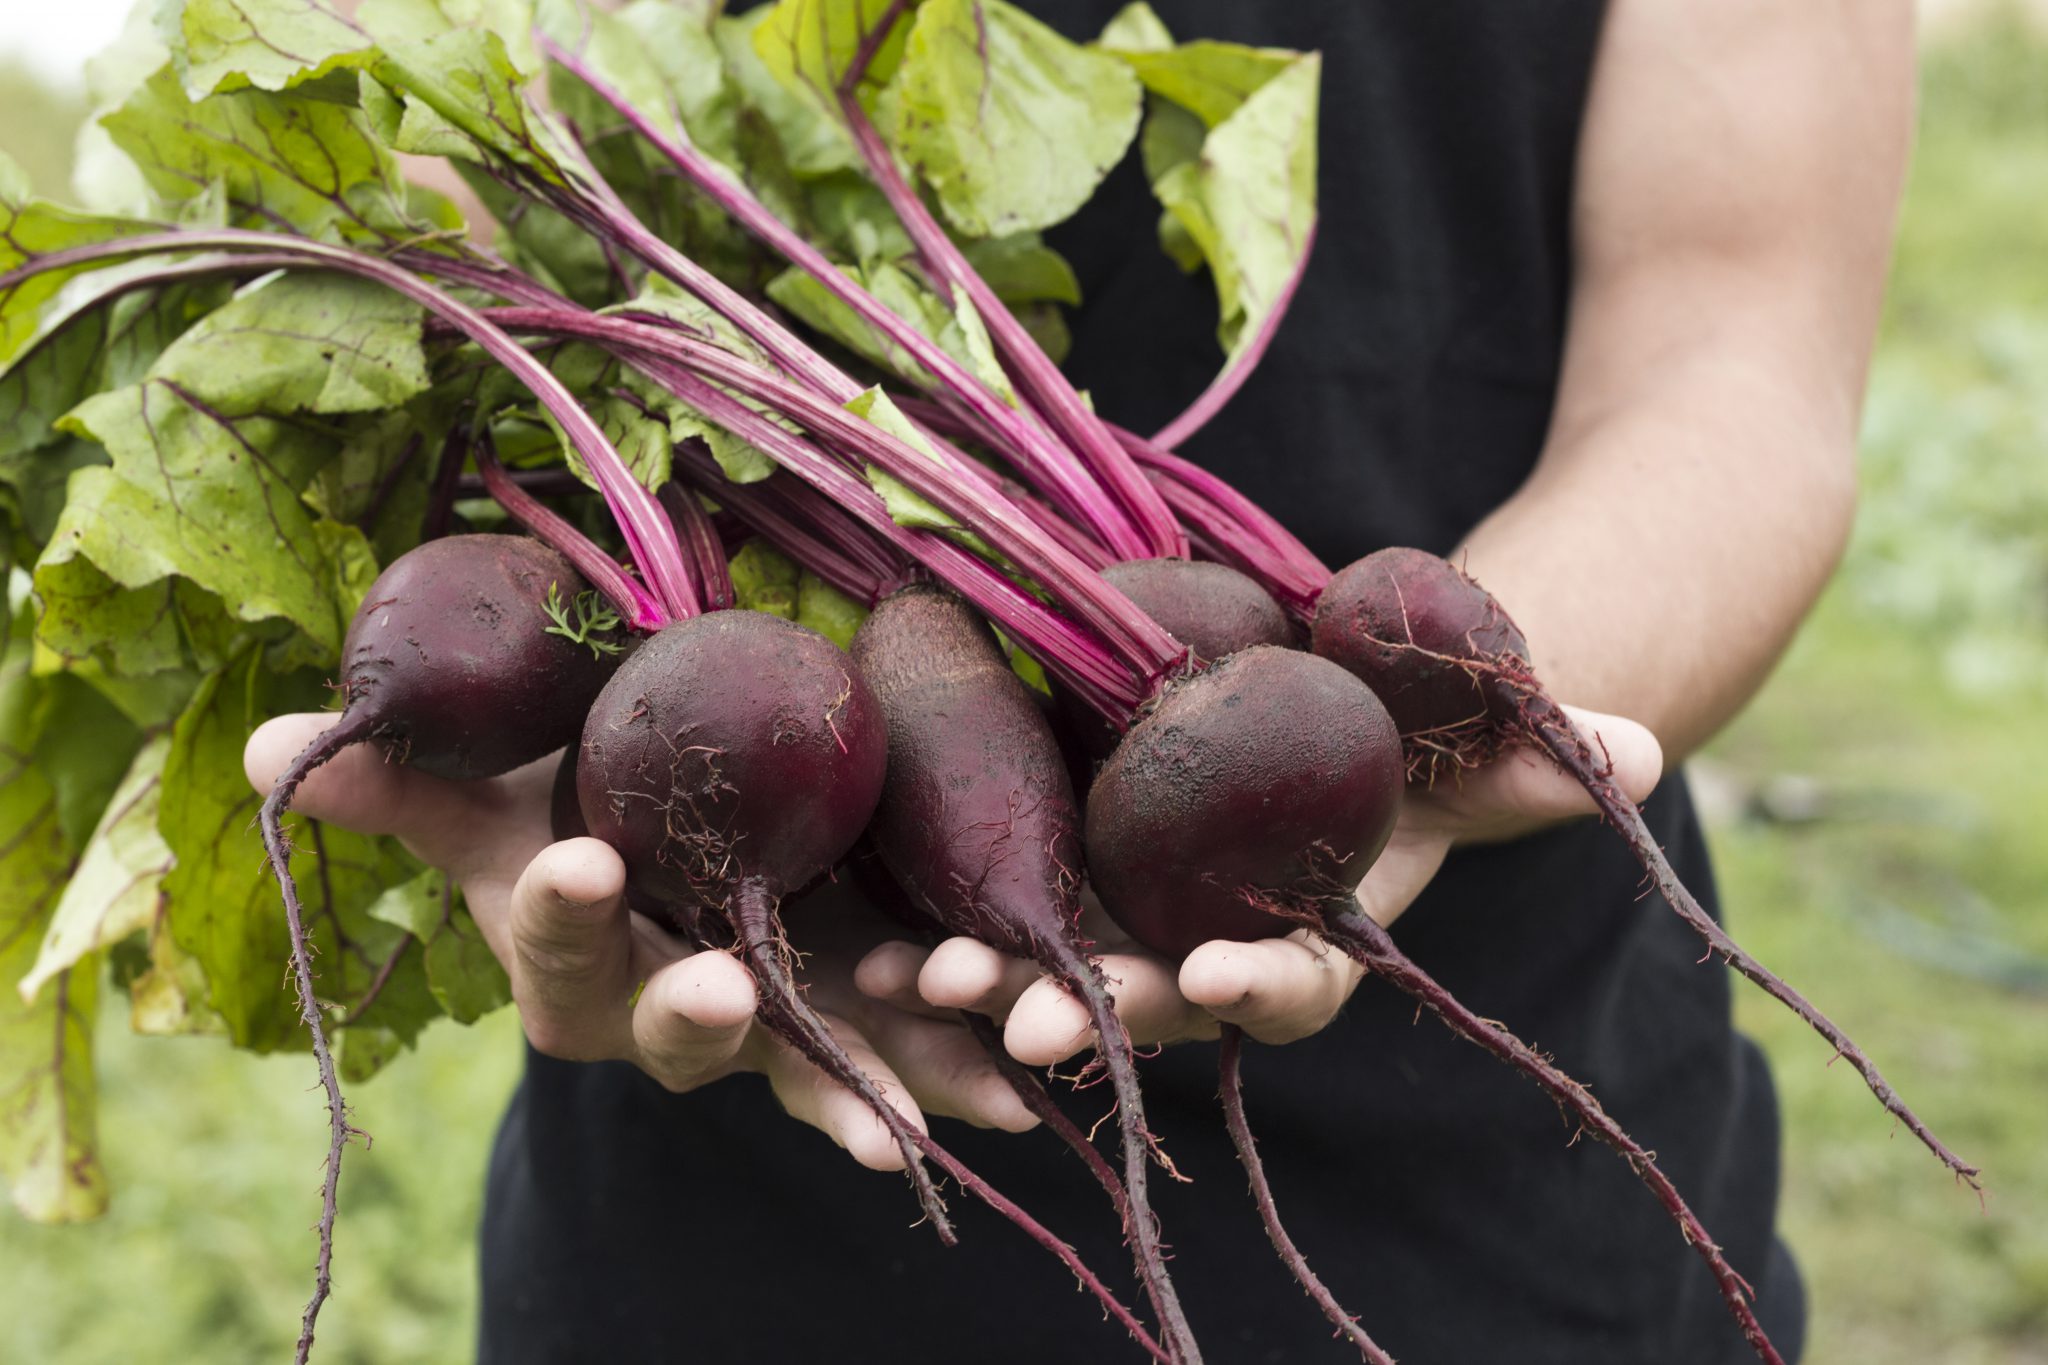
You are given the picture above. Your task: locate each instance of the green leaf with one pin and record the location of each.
(907, 507)
(827, 610)
(119, 877)
(85, 746)
(1211, 80)
(270, 44)
(383, 472)
(1011, 125)
(192, 494)
(1021, 268)
(86, 616)
(1248, 202)
(462, 972)
(48, 1139)
(31, 228)
(290, 157)
(766, 580)
(468, 78)
(224, 908)
(168, 999)
(302, 343)
(108, 339)
(778, 128)
(810, 45)
(961, 334)
(660, 58)
(1135, 28)
(401, 22)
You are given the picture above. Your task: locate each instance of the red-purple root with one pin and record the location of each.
(277, 846)
(1352, 931)
(1230, 1074)
(758, 929)
(790, 1017)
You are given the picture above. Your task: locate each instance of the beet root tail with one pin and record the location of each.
(1563, 742)
(758, 928)
(1356, 934)
(1082, 978)
(1230, 1074)
(348, 730)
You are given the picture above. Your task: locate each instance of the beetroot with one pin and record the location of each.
(734, 750)
(1454, 672)
(734, 759)
(456, 663)
(1263, 786)
(977, 825)
(1211, 608)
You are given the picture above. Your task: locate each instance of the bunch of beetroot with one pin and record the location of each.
(1229, 731)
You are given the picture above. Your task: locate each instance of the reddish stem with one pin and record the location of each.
(634, 602)
(1226, 384)
(1230, 1073)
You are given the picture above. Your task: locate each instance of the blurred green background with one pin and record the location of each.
(1878, 815)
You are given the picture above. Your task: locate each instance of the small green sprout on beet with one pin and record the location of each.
(593, 619)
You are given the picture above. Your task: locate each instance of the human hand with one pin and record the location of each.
(1278, 989)
(594, 981)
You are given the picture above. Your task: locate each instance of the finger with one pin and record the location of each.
(1277, 990)
(962, 974)
(1393, 882)
(812, 1097)
(1527, 785)
(363, 790)
(889, 973)
(949, 1071)
(1049, 1025)
(692, 1018)
(570, 952)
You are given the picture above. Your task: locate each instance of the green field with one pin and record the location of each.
(1882, 809)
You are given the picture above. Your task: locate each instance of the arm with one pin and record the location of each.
(1739, 170)
(1738, 175)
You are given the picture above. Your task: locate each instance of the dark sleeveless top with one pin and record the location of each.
(1440, 1196)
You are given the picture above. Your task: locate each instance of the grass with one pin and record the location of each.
(1887, 854)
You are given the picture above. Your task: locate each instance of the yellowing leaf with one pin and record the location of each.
(113, 891)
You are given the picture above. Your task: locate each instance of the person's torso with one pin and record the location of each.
(1439, 1194)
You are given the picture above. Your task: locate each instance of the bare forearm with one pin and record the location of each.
(1738, 173)
(1660, 566)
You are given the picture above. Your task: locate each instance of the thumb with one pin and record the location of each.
(569, 952)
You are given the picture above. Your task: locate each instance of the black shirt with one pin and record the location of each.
(1438, 1194)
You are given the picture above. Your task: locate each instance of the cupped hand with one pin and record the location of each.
(595, 981)
(1278, 989)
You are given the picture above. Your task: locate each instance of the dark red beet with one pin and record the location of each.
(1436, 646)
(1217, 611)
(977, 820)
(1437, 649)
(565, 811)
(1211, 608)
(450, 664)
(736, 757)
(450, 654)
(731, 747)
(977, 825)
(1263, 786)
